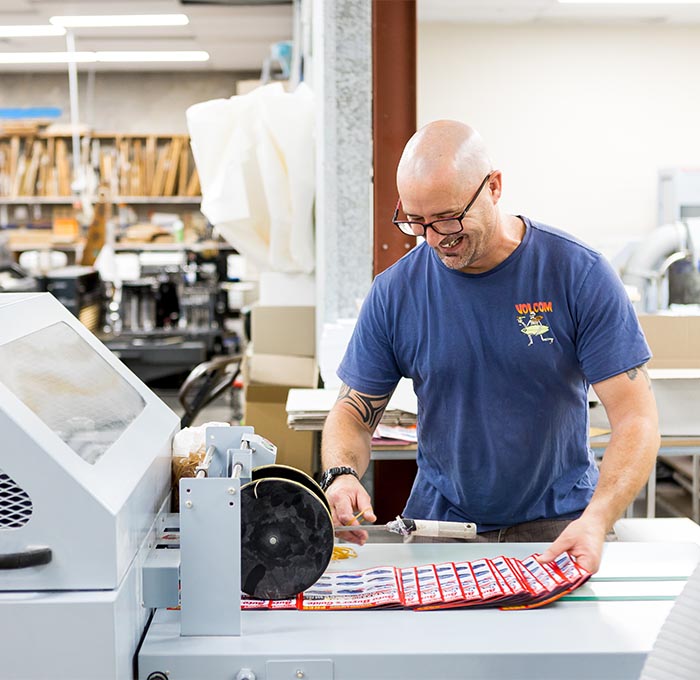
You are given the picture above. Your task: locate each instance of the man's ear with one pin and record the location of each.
(495, 185)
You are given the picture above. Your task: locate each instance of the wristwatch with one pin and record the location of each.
(331, 473)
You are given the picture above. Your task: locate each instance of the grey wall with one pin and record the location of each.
(122, 102)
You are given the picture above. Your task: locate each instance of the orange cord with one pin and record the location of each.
(342, 552)
(357, 516)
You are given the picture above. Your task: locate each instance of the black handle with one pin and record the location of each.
(31, 557)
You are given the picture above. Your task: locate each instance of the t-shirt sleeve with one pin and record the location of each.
(609, 340)
(369, 365)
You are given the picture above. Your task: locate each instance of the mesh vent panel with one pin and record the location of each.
(15, 504)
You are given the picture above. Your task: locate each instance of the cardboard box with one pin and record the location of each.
(279, 288)
(240, 293)
(266, 412)
(674, 340)
(275, 369)
(289, 331)
(677, 393)
(29, 238)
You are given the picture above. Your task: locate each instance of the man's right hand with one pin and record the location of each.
(347, 497)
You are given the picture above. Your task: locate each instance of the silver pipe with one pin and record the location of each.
(672, 259)
(641, 270)
(236, 472)
(202, 470)
(90, 97)
(295, 74)
(74, 113)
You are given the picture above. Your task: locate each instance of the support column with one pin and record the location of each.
(354, 236)
(394, 117)
(394, 122)
(342, 80)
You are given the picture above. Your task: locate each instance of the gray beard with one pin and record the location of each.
(457, 263)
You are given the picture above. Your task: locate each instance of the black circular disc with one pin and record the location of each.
(286, 538)
(294, 475)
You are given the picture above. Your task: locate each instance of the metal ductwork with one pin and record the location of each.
(651, 260)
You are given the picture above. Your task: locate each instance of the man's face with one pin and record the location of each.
(462, 250)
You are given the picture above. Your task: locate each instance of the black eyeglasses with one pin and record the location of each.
(444, 226)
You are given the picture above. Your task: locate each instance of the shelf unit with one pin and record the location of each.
(128, 167)
(144, 172)
(36, 200)
(197, 247)
(69, 200)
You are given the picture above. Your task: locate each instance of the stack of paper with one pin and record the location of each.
(503, 582)
(392, 435)
(307, 409)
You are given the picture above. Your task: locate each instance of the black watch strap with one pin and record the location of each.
(329, 475)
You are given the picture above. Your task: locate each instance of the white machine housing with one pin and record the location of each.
(84, 455)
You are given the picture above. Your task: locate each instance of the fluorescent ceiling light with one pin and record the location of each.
(629, 2)
(106, 20)
(105, 57)
(183, 55)
(31, 31)
(46, 57)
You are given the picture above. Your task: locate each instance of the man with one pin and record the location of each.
(502, 323)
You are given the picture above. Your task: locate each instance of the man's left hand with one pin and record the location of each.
(583, 539)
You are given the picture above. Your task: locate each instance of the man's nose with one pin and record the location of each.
(432, 237)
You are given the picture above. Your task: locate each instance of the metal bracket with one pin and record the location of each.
(224, 439)
(210, 556)
(244, 459)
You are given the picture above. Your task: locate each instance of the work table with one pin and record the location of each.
(603, 630)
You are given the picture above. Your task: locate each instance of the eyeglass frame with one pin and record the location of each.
(425, 225)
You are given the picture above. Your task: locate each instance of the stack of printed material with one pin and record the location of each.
(395, 435)
(503, 582)
(307, 409)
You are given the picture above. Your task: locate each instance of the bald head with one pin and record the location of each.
(444, 151)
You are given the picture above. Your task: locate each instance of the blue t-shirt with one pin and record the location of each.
(501, 363)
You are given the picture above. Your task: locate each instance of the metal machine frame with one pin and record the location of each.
(210, 524)
(74, 533)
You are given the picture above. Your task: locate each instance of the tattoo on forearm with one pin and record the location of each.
(370, 409)
(634, 372)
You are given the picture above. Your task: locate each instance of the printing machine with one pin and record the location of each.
(84, 472)
(99, 580)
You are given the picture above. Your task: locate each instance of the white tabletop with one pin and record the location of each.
(600, 638)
